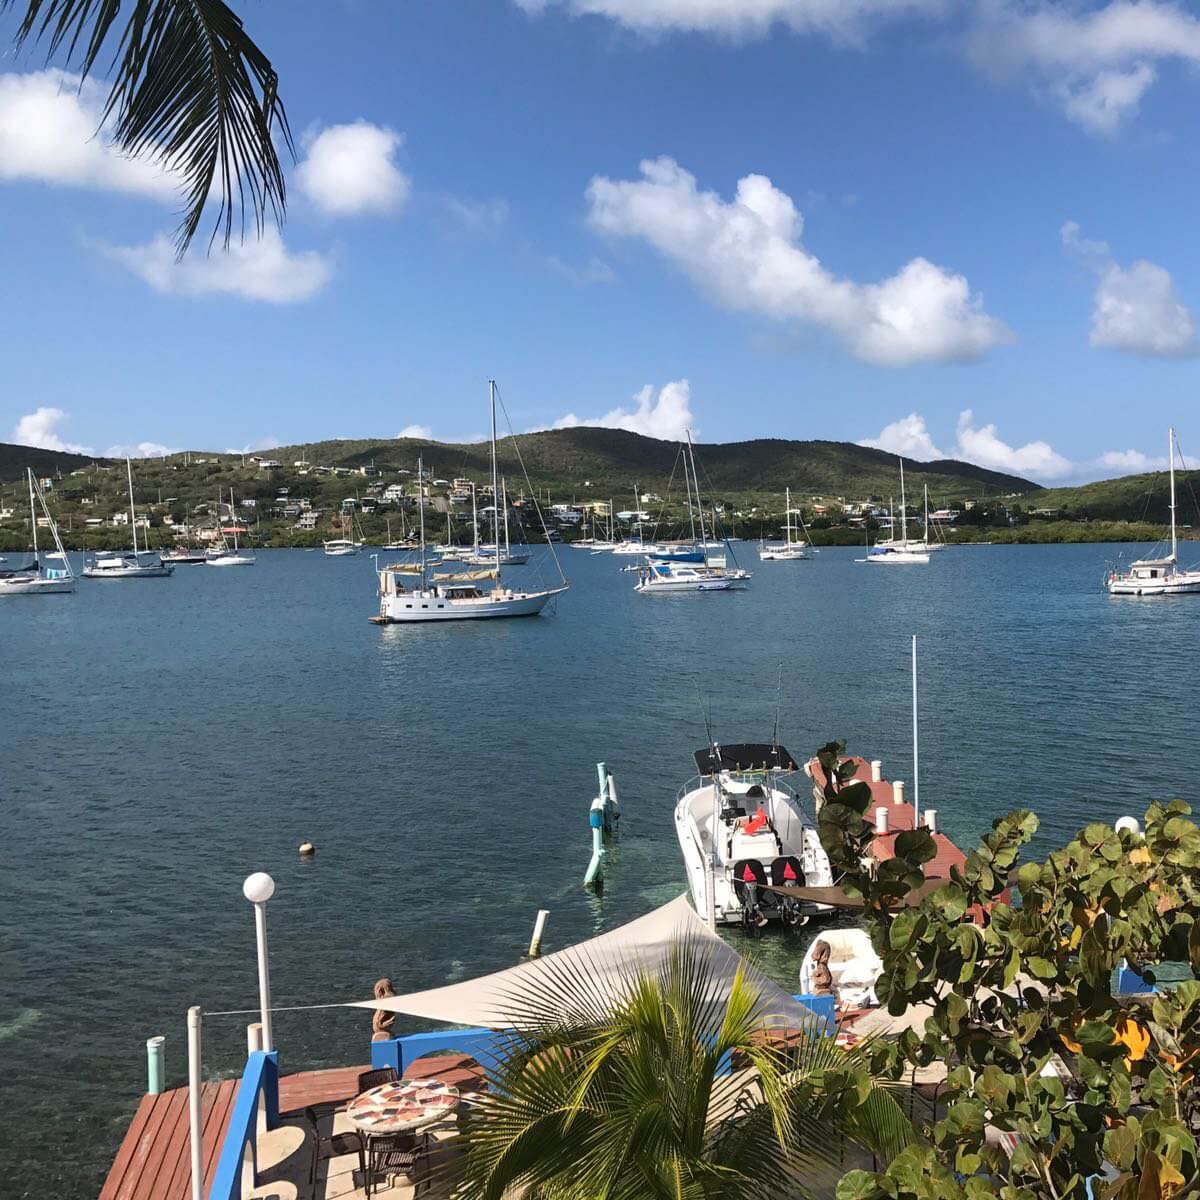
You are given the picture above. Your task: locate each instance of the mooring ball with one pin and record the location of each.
(307, 849)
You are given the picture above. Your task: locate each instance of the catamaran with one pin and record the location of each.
(1157, 576)
(37, 578)
(224, 556)
(141, 564)
(903, 552)
(688, 566)
(791, 550)
(412, 592)
(742, 828)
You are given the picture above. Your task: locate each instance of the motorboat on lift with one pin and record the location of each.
(743, 829)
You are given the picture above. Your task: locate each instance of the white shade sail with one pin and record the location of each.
(599, 971)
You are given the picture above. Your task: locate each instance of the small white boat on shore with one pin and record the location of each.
(741, 829)
(851, 962)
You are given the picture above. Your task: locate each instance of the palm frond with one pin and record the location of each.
(190, 88)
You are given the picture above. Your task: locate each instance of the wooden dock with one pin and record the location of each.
(154, 1161)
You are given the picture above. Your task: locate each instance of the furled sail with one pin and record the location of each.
(465, 576)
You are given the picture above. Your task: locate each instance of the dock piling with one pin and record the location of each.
(156, 1065)
(539, 927)
(603, 815)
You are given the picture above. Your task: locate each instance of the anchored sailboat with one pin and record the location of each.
(141, 564)
(225, 557)
(36, 578)
(904, 552)
(1157, 576)
(791, 550)
(413, 592)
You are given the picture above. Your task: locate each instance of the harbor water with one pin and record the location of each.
(161, 739)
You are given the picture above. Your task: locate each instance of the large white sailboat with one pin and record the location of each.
(743, 830)
(1160, 576)
(141, 564)
(37, 578)
(792, 550)
(412, 593)
(688, 566)
(903, 552)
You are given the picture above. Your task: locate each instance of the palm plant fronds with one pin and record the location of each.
(668, 1089)
(190, 88)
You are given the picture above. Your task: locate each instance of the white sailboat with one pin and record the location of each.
(37, 578)
(141, 564)
(411, 593)
(1157, 576)
(904, 552)
(688, 567)
(791, 550)
(742, 830)
(485, 555)
(225, 557)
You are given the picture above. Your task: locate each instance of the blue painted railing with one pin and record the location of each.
(260, 1078)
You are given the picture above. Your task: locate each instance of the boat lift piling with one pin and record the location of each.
(603, 816)
(539, 927)
(156, 1065)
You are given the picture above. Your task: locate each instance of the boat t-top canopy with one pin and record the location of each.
(585, 980)
(743, 757)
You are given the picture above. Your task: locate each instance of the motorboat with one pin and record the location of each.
(1161, 576)
(793, 549)
(39, 577)
(743, 830)
(664, 576)
(184, 555)
(853, 968)
(140, 564)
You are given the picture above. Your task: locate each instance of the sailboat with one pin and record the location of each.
(141, 564)
(903, 552)
(185, 554)
(344, 546)
(633, 545)
(225, 557)
(413, 592)
(791, 550)
(688, 567)
(37, 578)
(485, 555)
(1157, 576)
(401, 545)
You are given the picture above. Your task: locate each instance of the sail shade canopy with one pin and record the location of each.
(744, 756)
(596, 974)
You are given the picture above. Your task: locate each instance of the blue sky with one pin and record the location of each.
(946, 228)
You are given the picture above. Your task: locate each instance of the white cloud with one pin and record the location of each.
(40, 428)
(844, 20)
(747, 254)
(1136, 309)
(139, 450)
(983, 447)
(350, 169)
(49, 123)
(262, 443)
(1132, 461)
(909, 436)
(482, 218)
(1097, 62)
(262, 269)
(416, 431)
(595, 270)
(980, 445)
(667, 416)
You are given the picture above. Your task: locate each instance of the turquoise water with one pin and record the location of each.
(163, 738)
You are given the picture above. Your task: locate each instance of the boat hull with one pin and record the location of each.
(782, 555)
(899, 558)
(1179, 585)
(36, 587)
(155, 572)
(416, 609)
(231, 560)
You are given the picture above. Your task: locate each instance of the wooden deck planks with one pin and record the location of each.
(154, 1159)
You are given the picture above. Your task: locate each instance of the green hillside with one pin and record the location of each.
(14, 460)
(1130, 498)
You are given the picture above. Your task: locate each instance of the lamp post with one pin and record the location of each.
(258, 889)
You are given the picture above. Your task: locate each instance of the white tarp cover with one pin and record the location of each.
(601, 968)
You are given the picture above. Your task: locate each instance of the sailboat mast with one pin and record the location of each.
(504, 502)
(495, 478)
(233, 518)
(474, 520)
(421, 511)
(927, 515)
(132, 514)
(903, 508)
(688, 481)
(32, 514)
(1171, 453)
(787, 521)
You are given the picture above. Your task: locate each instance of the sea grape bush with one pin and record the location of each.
(1094, 1093)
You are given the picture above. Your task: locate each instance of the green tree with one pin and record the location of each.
(630, 1102)
(190, 88)
(1096, 1091)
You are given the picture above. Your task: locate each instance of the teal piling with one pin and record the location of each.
(156, 1065)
